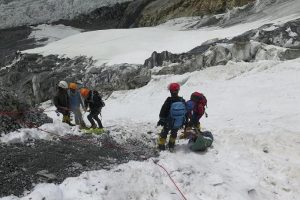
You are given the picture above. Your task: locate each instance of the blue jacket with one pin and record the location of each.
(75, 100)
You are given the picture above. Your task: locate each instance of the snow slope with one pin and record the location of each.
(252, 109)
(23, 12)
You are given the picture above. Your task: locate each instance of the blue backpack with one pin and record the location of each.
(190, 105)
(177, 115)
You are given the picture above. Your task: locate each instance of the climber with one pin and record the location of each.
(172, 117)
(75, 102)
(94, 102)
(62, 102)
(195, 110)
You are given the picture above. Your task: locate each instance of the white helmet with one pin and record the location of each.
(63, 84)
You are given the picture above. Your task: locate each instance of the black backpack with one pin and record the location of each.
(97, 100)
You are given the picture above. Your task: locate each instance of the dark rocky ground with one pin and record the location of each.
(25, 165)
(15, 112)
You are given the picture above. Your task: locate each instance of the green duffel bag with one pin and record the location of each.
(202, 141)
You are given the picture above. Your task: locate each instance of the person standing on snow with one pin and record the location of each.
(75, 102)
(62, 102)
(172, 117)
(196, 109)
(198, 140)
(94, 102)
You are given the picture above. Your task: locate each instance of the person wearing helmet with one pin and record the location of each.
(171, 117)
(62, 102)
(94, 102)
(75, 102)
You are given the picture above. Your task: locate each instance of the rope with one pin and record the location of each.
(170, 178)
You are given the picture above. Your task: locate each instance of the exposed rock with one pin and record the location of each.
(15, 113)
(102, 18)
(285, 35)
(217, 54)
(117, 77)
(35, 77)
(160, 11)
(265, 43)
(133, 13)
(15, 13)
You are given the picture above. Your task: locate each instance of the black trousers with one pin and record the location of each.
(94, 115)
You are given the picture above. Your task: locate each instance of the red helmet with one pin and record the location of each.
(174, 87)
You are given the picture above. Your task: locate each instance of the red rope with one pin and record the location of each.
(171, 179)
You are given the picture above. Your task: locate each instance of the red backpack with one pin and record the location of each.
(199, 98)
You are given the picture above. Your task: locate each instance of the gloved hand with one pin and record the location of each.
(161, 122)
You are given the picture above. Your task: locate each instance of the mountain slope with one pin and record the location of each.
(252, 93)
(256, 150)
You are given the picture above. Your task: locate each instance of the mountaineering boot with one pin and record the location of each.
(161, 144)
(67, 119)
(94, 126)
(82, 126)
(197, 128)
(171, 143)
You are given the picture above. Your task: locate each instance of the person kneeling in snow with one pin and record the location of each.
(172, 117)
(93, 101)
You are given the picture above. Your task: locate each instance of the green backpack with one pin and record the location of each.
(202, 142)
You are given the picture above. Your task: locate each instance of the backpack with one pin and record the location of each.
(202, 142)
(190, 106)
(199, 98)
(177, 115)
(97, 100)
